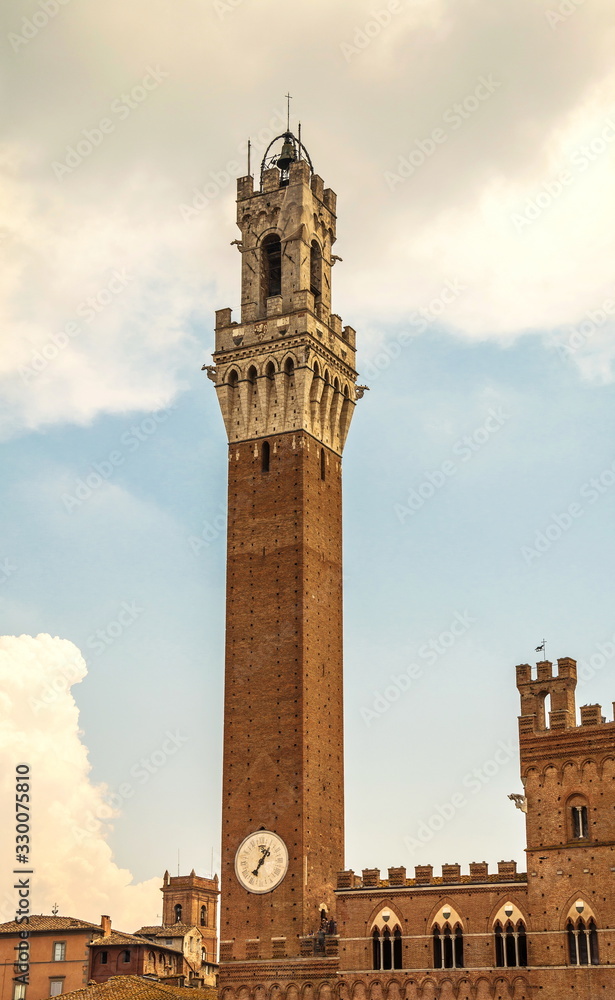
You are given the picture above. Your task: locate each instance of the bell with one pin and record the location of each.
(288, 155)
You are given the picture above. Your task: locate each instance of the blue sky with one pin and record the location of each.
(479, 476)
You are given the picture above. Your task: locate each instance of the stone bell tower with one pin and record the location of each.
(285, 380)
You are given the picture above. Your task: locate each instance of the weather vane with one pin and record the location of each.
(542, 649)
(288, 100)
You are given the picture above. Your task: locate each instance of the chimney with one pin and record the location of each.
(105, 923)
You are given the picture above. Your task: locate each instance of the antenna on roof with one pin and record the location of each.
(288, 100)
(249, 149)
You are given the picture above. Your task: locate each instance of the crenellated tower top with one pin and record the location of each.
(289, 365)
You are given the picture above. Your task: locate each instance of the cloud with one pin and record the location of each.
(514, 93)
(70, 816)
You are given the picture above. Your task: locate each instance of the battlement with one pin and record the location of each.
(559, 688)
(424, 876)
(546, 686)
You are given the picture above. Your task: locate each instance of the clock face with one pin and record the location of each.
(261, 861)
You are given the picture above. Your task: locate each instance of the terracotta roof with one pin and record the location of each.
(140, 988)
(40, 922)
(119, 937)
(173, 930)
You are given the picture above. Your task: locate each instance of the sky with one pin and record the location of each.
(472, 148)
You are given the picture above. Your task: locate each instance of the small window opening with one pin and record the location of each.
(323, 464)
(203, 916)
(178, 913)
(315, 270)
(580, 827)
(271, 262)
(265, 456)
(126, 956)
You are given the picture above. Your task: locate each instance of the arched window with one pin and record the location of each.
(510, 945)
(270, 369)
(323, 464)
(387, 950)
(448, 946)
(271, 265)
(289, 366)
(386, 941)
(397, 948)
(203, 916)
(265, 455)
(377, 954)
(252, 373)
(233, 378)
(315, 270)
(582, 942)
(178, 913)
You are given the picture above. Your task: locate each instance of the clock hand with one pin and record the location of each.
(266, 853)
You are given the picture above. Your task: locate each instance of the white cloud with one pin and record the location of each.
(118, 210)
(72, 860)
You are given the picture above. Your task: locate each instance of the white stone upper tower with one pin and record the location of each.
(289, 364)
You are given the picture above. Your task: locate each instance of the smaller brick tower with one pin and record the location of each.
(568, 773)
(193, 901)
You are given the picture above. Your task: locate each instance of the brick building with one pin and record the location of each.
(64, 953)
(115, 953)
(293, 922)
(58, 956)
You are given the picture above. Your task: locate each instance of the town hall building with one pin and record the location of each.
(294, 922)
